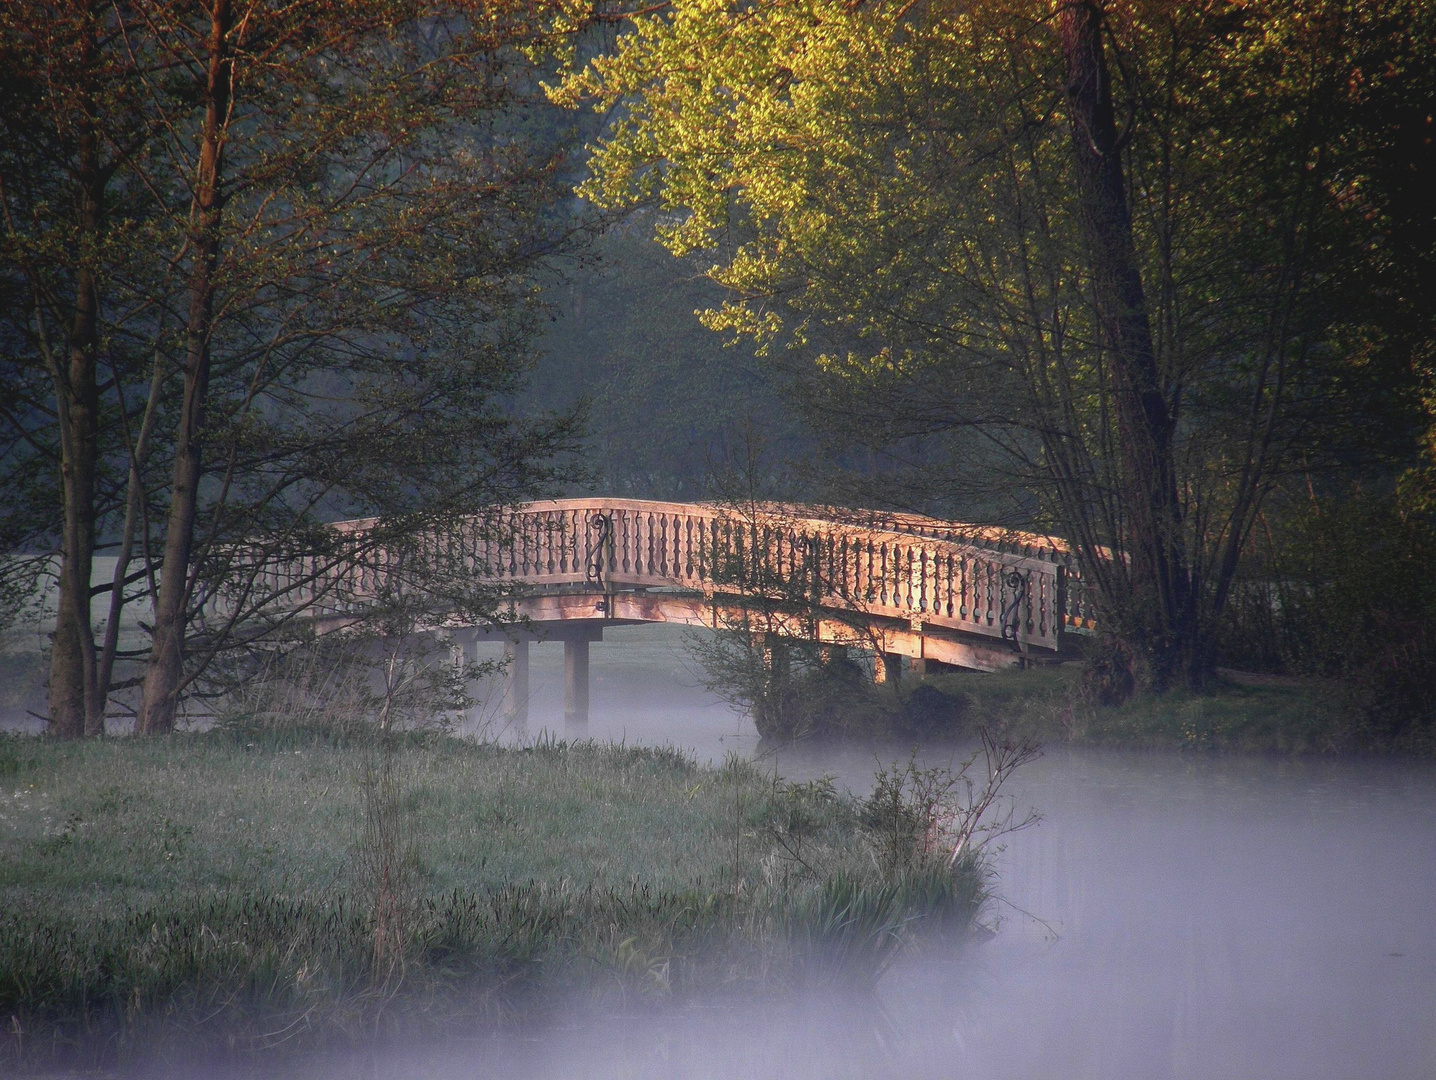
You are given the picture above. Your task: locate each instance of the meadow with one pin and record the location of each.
(229, 893)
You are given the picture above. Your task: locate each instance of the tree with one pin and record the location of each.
(341, 220)
(70, 119)
(1108, 244)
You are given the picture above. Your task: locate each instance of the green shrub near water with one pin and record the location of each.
(216, 893)
(1254, 714)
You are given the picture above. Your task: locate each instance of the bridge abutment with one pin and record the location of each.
(575, 680)
(516, 682)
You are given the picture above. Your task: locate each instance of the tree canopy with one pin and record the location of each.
(263, 266)
(1121, 257)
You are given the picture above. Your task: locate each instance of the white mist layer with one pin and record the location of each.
(1173, 915)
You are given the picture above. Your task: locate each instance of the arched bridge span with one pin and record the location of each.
(933, 591)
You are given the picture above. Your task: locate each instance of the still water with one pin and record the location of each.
(1173, 915)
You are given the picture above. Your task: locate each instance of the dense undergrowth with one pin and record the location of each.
(1237, 713)
(224, 894)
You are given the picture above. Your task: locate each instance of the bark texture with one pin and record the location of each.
(164, 675)
(1162, 611)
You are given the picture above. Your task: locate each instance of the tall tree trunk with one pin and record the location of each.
(166, 663)
(72, 654)
(1160, 612)
(135, 493)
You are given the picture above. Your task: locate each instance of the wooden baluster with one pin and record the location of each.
(708, 551)
(695, 549)
(944, 585)
(932, 582)
(896, 600)
(576, 528)
(894, 576)
(1040, 580)
(909, 579)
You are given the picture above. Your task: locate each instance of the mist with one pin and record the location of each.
(1184, 915)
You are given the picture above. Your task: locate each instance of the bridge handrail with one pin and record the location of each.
(936, 580)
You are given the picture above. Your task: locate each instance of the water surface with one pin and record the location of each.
(1173, 915)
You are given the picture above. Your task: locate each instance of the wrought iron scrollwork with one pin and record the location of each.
(1011, 618)
(601, 552)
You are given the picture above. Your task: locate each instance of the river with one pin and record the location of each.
(1181, 915)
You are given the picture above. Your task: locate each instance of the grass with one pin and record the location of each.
(223, 894)
(1046, 704)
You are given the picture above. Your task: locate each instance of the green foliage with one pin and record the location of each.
(214, 894)
(338, 334)
(889, 191)
(848, 933)
(1258, 713)
(1346, 596)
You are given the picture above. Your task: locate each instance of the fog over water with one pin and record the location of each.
(1173, 915)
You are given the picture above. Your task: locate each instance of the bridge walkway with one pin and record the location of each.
(933, 592)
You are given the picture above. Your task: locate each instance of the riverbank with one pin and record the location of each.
(1241, 712)
(218, 894)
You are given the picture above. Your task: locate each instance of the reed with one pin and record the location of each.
(227, 893)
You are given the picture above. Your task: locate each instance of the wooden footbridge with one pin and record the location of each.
(903, 587)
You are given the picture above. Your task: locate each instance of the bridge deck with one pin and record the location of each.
(970, 596)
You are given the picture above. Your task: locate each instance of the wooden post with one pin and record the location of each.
(887, 667)
(516, 682)
(575, 680)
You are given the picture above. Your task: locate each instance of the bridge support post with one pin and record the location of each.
(465, 655)
(575, 680)
(516, 682)
(887, 667)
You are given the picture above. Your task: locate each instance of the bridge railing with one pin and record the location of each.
(847, 567)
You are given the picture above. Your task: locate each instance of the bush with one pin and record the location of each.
(1346, 594)
(797, 689)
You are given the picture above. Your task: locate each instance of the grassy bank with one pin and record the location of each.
(221, 894)
(1239, 713)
